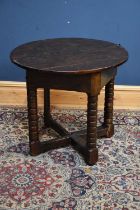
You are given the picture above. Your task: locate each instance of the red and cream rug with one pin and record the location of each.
(60, 179)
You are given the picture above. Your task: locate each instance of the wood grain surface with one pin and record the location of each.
(69, 55)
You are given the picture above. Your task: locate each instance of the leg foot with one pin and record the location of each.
(35, 148)
(110, 131)
(92, 156)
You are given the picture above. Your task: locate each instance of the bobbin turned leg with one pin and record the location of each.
(92, 153)
(33, 120)
(108, 108)
(47, 114)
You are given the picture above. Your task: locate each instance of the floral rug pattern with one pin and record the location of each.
(60, 179)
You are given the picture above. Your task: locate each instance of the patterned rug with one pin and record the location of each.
(60, 179)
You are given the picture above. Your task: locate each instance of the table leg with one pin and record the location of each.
(48, 119)
(47, 114)
(108, 108)
(33, 120)
(92, 156)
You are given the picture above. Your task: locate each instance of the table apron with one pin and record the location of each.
(81, 83)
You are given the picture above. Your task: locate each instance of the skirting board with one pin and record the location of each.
(14, 93)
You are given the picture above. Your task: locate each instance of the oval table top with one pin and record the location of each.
(69, 55)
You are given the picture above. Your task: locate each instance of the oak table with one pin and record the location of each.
(73, 64)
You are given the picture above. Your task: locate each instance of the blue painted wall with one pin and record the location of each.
(113, 20)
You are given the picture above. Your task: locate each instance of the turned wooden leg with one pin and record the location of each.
(33, 120)
(108, 108)
(92, 153)
(47, 114)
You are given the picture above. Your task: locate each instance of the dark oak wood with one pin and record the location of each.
(47, 114)
(69, 55)
(57, 127)
(108, 108)
(92, 155)
(33, 120)
(74, 64)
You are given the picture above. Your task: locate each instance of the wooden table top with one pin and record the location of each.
(69, 55)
